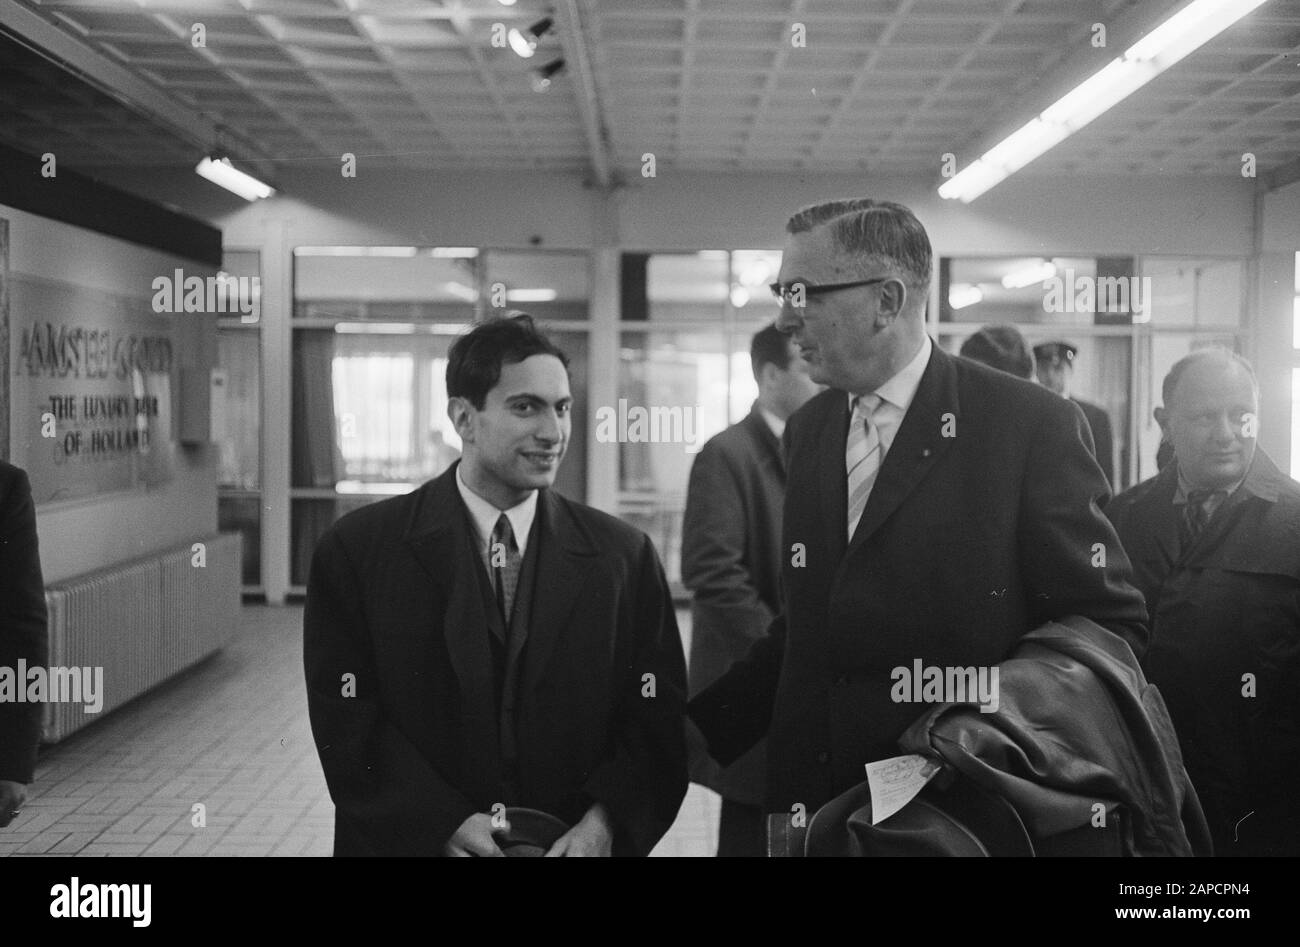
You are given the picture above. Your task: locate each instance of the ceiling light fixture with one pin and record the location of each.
(525, 44)
(1184, 32)
(531, 295)
(220, 171)
(961, 295)
(542, 77)
(1029, 275)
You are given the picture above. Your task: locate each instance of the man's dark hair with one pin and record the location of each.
(873, 232)
(1223, 356)
(475, 360)
(769, 346)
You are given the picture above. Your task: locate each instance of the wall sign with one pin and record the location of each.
(91, 380)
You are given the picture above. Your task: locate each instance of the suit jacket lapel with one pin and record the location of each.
(564, 562)
(833, 479)
(917, 446)
(439, 539)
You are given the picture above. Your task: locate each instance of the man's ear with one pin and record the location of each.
(767, 374)
(461, 414)
(893, 297)
(1161, 415)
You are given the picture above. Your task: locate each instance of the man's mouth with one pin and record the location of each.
(542, 458)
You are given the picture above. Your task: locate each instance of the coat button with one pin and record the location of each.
(926, 452)
(823, 757)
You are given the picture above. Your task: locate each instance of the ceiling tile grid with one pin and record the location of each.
(879, 86)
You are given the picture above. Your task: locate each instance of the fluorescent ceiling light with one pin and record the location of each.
(531, 295)
(391, 251)
(453, 253)
(1171, 41)
(961, 295)
(225, 174)
(355, 251)
(1029, 275)
(461, 291)
(522, 46)
(374, 328)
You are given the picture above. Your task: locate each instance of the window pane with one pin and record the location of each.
(395, 284)
(238, 355)
(1194, 292)
(547, 285)
(244, 516)
(673, 396)
(675, 287)
(1020, 290)
(1295, 423)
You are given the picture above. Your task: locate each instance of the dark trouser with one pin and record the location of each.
(742, 831)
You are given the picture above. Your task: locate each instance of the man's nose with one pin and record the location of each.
(788, 320)
(1224, 430)
(550, 427)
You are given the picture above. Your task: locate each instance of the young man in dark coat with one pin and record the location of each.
(484, 643)
(1215, 544)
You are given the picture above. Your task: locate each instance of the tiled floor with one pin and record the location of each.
(232, 737)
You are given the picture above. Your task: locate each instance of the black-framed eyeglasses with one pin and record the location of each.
(784, 292)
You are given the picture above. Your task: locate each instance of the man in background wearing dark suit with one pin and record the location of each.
(1055, 367)
(935, 510)
(1215, 543)
(731, 560)
(484, 643)
(23, 635)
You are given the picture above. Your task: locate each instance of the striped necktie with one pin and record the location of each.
(505, 565)
(861, 456)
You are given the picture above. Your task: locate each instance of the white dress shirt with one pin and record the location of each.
(484, 517)
(896, 397)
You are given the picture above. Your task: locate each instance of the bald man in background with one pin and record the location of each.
(1215, 544)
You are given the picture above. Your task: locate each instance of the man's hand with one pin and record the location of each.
(474, 837)
(12, 797)
(592, 837)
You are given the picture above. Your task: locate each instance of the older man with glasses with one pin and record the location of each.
(935, 510)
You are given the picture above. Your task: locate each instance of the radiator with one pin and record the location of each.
(142, 621)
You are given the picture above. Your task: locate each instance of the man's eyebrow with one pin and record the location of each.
(534, 398)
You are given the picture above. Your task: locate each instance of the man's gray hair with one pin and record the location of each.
(879, 232)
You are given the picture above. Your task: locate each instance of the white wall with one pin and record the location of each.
(83, 535)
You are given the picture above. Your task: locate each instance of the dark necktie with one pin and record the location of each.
(505, 565)
(1196, 513)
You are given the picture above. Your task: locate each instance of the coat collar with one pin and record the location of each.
(439, 538)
